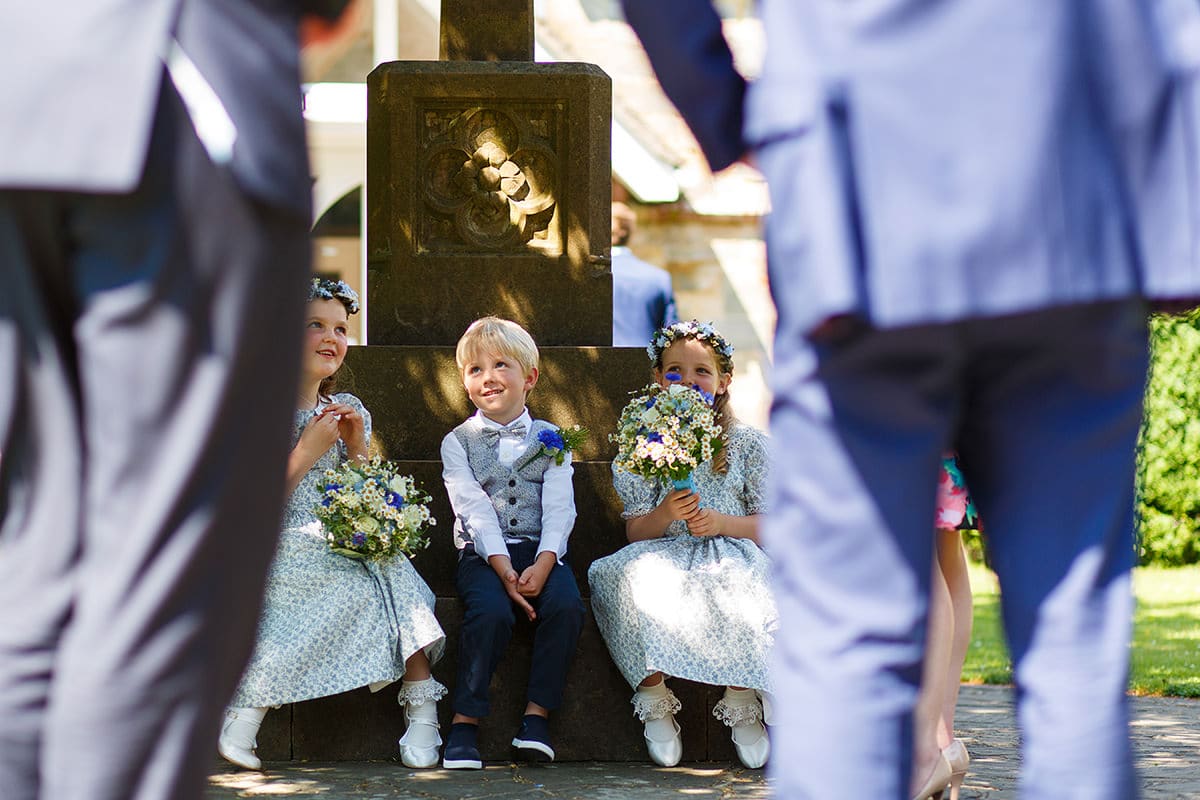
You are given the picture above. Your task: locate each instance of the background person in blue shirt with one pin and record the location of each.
(643, 300)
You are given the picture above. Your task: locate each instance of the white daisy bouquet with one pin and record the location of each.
(372, 513)
(664, 434)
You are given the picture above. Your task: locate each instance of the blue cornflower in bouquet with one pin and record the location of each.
(675, 377)
(665, 433)
(371, 512)
(560, 441)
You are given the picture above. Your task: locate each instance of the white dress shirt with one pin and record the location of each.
(468, 499)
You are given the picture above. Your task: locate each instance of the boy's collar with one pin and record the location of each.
(484, 420)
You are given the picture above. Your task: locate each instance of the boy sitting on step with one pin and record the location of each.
(514, 508)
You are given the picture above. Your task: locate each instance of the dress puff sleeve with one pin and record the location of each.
(638, 495)
(749, 446)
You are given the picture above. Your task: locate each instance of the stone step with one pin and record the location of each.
(596, 722)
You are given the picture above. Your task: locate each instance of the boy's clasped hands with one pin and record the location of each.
(526, 584)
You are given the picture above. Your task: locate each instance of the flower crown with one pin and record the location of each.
(692, 329)
(326, 289)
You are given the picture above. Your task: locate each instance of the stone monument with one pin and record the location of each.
(489, 192)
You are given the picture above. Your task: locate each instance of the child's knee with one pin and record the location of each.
(490, 617)
(564, 606)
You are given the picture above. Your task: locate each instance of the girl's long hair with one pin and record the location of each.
(327, 386)
(726, 419)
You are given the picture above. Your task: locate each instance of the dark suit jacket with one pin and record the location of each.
(82, 80)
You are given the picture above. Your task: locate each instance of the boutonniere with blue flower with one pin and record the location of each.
(558, 442)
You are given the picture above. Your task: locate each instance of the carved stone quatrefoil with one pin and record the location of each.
(494, 177)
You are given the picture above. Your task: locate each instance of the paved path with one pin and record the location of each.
(1166, 735)
(1166, 742)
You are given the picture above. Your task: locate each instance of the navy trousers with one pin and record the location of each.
(488, 619)
(1044, 410)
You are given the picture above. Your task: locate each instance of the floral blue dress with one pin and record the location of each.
(330, 623)
(694, 607)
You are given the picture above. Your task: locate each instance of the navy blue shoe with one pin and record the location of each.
(533, 740)
(462, 752)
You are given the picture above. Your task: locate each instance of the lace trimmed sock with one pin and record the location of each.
(738, 707)
(656, 706)
(419, 699)
(415, 693)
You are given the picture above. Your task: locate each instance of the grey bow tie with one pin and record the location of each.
(516, 431)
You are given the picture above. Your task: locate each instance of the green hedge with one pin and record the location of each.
(1169, 451)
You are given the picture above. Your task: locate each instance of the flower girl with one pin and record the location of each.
(689, 596)
(331, 623)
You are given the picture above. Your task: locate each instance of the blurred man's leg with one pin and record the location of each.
(1048, 445)
(859, 426)
(190, 307)
(41, 456)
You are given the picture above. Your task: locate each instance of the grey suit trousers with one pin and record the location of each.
(149, 350)
(1044, 409)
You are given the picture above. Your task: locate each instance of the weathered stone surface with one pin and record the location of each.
(389, 780)
(275, 735)
(489, 188)
(499, 30)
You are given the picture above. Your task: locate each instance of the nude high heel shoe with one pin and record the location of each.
(937, 782)
(959, 759)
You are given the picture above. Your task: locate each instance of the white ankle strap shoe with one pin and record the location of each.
(656, 707)
(421, 744)
(667, 751)
(751, 743)
(742, 711)
(239, 734)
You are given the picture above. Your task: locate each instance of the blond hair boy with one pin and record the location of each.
(514, 508)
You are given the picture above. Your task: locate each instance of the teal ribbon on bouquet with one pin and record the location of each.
(685, 482)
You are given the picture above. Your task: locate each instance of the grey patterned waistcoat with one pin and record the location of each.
(516, 492)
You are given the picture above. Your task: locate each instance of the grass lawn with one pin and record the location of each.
(1166, 634)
